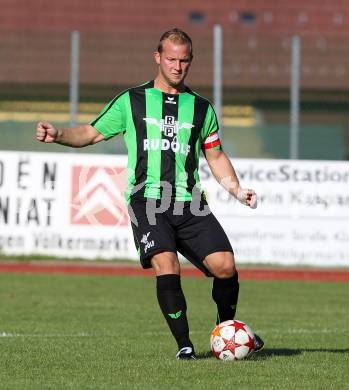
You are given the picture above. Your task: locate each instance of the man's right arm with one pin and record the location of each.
(76, 137)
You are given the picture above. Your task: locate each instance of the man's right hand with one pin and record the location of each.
(46, 132)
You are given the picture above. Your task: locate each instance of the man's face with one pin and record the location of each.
(174, 62)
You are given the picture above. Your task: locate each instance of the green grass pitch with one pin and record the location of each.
(89, 332)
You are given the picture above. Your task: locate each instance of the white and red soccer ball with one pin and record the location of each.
(232, 340)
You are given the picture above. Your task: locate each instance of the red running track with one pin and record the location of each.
(323, 275)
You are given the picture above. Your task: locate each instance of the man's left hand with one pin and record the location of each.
(247, 197)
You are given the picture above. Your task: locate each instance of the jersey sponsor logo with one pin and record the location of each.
(145, 241)
(170, 128)
(98, 196)
(165, 144)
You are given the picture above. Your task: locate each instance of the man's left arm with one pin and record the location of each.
(224, 172)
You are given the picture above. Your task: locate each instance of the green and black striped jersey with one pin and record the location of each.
(164, 134)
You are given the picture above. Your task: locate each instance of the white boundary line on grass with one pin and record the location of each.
(84, 334)
(44, 335)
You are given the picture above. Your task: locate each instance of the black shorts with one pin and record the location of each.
(194, 236)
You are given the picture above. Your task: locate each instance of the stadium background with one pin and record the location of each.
(116, 43)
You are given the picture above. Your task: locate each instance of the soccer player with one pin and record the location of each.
(165, 126)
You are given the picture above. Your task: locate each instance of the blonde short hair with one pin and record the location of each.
(177, 36)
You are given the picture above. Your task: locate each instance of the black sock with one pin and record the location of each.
(174, 308)
(225, 293)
